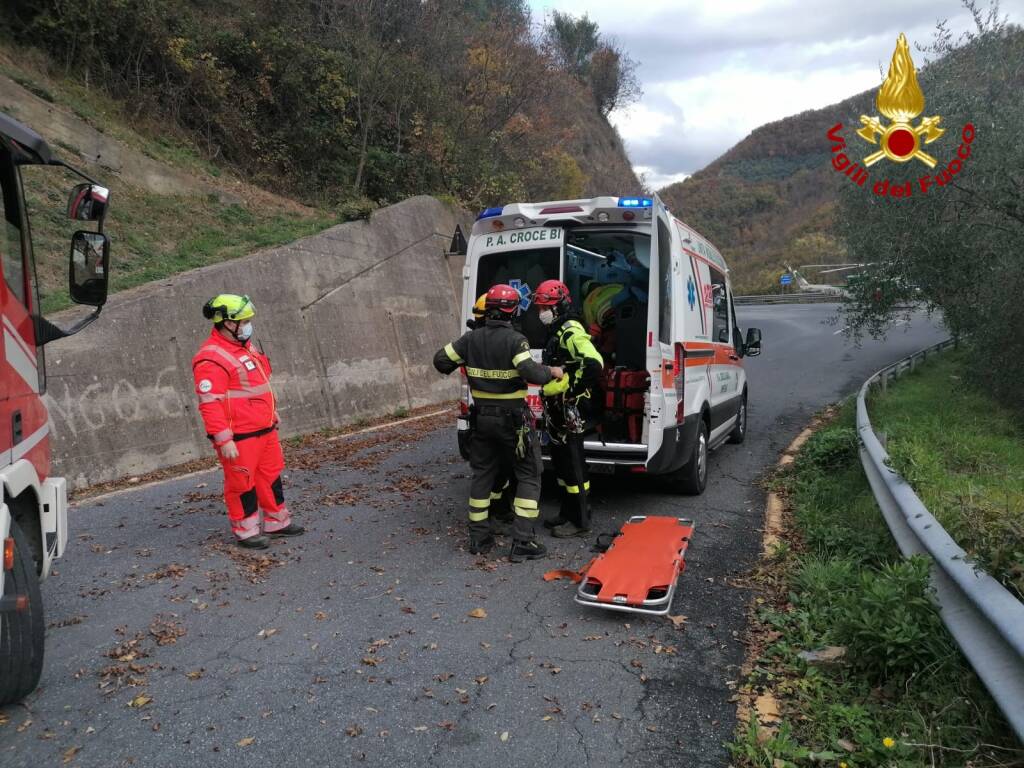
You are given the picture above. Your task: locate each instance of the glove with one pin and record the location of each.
(229, 450)
(556, 386)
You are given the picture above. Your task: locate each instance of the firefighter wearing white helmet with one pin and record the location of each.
(232, 380)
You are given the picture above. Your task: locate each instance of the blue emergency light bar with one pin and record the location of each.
(490, 213)
(635, 202)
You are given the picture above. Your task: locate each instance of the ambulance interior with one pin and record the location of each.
(607, 271)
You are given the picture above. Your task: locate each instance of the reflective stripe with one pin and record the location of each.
(495, 495)
(243, 373)
(247, 527)
(521, 357)
(528, 513)
(452, 354)
(275, 521)
(211, 398)
(247, 391)
(518, 395)
(525, 503)
(476, 517)
(223, 436)
(490, 373)
(479, 503)
(561, 482)
(575, 488)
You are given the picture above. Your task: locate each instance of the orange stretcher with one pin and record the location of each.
(639, 571)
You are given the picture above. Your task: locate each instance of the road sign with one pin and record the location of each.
(786, 279)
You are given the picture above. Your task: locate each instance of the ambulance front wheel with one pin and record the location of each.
(739, 432)
(692, 478)
(21, 628)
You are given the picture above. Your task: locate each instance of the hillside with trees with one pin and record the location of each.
(332, 100)
(289, 117)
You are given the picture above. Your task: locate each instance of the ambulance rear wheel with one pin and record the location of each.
(21, 632)
(692, 478)
(739, 432)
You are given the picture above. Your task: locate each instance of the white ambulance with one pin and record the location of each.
(656, 298)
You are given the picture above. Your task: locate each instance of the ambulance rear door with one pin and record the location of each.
(661, 333)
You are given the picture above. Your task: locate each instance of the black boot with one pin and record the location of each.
(526, 550)
(292, 529)
(480, 543)
(254, 542)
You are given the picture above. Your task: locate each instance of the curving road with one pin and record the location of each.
(354, 645)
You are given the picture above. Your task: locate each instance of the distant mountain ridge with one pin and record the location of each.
(771, 197)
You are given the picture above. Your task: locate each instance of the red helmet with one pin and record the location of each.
(504, 298)
(552, 293)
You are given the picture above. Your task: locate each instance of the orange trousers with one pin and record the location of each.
(252, 483)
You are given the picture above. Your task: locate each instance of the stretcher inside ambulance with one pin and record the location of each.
(649, 298)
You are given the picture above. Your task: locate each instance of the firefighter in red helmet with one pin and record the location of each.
(232, 380)
(569, 404)
(498, 365)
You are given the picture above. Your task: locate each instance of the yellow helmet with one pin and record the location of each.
(480, 307)
(229, 306)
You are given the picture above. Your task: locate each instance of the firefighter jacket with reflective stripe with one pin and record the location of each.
(497, 362)
(232, 381)
(570, 346)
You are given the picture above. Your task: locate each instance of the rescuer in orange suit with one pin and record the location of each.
(236, 402)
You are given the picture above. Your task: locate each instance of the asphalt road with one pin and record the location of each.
(354, 645)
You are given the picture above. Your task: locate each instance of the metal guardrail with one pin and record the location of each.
(984, 618)
(804, 297)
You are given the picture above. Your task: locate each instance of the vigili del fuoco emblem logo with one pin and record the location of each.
(901, 100)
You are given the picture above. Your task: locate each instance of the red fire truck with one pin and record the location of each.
(33, 509)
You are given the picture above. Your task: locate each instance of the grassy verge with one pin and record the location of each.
(901, 694)
(963, 452)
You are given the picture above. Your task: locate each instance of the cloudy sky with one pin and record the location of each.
(713, 70)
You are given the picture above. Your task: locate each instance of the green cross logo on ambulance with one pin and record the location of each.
(674, 386)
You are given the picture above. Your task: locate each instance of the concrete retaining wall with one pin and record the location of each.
(350, 318)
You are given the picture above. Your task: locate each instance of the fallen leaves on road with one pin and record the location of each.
(25, 725)
(195, 674)
(140, 701)
(320, 615)
(245, 742)
(419, 728)
(166, 631)
(174, 570)
(269, 632)
(478, 613)
(69, 754)
(504, 736)
(354, 730)
(677, 621)
(447, 725)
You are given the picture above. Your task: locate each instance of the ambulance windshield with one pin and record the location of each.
(524, 270)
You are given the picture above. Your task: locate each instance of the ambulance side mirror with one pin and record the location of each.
(752, 346)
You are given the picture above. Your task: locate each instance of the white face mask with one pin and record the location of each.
(244, 332)
(547, 316)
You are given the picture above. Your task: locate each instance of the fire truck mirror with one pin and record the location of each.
(88, 202)
(88, 270)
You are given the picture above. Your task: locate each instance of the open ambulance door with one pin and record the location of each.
(660, 331)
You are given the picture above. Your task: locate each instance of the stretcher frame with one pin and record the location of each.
(652, 607)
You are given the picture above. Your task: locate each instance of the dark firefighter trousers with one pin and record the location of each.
(570, 466)
(492, 453)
